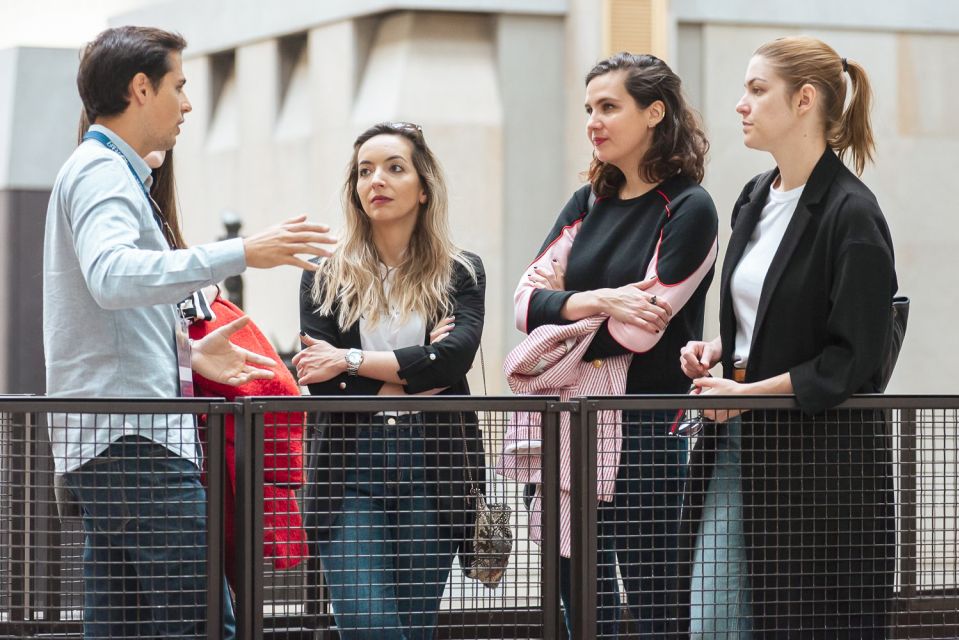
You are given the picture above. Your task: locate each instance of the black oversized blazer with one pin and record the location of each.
(817, 483)
(443, 364)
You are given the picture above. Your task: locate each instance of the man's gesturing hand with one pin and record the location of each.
(281, 243)
(216, 358)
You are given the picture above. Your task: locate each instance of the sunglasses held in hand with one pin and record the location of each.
(691, 426)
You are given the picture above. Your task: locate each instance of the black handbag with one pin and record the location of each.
(900, 318)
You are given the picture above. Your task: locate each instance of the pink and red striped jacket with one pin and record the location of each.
(550, 362)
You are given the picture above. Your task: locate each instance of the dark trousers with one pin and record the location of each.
(639, 530)
(144, 558)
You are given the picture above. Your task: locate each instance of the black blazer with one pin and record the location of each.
(818, 513)
(443, 364)
(824, 311)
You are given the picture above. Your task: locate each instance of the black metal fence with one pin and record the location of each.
(643, 548)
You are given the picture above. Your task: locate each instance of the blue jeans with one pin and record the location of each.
(144, 558)
(387, 557)
(639, 529)
(719, 599)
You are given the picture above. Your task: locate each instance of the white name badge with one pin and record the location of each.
(184, 357)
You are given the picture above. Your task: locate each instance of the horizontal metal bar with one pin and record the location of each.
(757, 402)
(46, 404)
(219, 406)
(334, 404)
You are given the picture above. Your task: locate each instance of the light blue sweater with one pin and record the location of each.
(110, 288)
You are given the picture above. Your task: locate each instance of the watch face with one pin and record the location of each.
(355, 358)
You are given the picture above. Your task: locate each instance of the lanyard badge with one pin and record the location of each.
(184, 356)
(154, 207)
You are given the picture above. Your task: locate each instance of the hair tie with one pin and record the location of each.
(845, 66)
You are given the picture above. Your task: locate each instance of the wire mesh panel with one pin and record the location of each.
(388, 512)
(353, 517)
(927, 585)
(641, 471)
(840, 524)
(105, 520)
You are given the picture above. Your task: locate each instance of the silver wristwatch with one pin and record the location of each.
(354, 358)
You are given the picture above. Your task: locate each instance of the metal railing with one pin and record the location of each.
(40, 557)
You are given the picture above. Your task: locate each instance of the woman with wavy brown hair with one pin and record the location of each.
(641, 257)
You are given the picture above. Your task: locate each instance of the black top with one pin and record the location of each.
(613, 247)
(443, 364)
(825, 308)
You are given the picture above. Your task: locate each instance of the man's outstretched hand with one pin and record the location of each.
(284, 242)
(216, 358)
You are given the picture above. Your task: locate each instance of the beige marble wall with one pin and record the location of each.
(258, 151)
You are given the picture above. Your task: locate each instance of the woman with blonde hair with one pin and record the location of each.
(794, 509)
(389, 504)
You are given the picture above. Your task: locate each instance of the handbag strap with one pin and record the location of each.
(466, 454)
(483, 369)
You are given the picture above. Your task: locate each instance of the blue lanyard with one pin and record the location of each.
(106, 142)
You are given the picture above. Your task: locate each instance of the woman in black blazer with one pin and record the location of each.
(388, 501)
(806, 290)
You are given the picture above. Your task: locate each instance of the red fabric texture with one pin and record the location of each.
(284, 539)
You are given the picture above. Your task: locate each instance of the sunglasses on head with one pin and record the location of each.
(405, 126)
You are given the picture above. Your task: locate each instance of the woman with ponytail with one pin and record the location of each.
(793, 510)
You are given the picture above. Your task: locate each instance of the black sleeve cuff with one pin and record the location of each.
(347, 385)
(414, 360)
(546, 307)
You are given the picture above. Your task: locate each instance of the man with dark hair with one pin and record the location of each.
(112, 327)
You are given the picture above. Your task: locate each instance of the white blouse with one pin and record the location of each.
(746, 284)
(390, 333)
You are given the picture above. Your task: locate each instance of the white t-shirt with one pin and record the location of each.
(746, 284)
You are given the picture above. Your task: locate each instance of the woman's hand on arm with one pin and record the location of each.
(553, 278)
(630, 304)
(320, 361)
(442, 329)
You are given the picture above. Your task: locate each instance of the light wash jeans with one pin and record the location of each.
(720, 606)
(388, 556)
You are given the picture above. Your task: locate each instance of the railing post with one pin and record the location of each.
(19, 520)
(215, 497)
(583, 504)
(50, 563)
(249, 522)
(552, 618)
(907, 517)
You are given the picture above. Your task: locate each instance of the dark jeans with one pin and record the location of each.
(387, 558)
(144, 559)
(639, 530)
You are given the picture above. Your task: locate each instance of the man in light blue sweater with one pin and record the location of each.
(111, 324)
